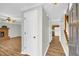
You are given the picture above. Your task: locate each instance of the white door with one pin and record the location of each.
(30, 32)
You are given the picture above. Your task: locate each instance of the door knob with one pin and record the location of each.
(24, 32)
(34, 36)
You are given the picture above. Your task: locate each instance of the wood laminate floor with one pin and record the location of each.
(11, 47)
(55, 48)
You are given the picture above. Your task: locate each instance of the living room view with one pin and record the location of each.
(10, 37)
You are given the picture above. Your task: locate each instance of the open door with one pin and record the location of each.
(30, 33)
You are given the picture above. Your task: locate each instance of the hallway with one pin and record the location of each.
(55, 48)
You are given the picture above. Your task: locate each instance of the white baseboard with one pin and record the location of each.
(46, 49)
(22, 52)
(64, 45)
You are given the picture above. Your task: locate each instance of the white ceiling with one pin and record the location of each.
(56, 11)
(14, 9)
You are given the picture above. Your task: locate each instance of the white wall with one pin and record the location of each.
(63, 39)
(45, 32)
(57, 33)
(14, 29)
(40, 30)
(50, 30)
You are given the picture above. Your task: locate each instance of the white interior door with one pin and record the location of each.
(30, 32)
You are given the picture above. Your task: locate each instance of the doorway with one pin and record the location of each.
(55, 29)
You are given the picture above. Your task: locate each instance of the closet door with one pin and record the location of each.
(31, 33)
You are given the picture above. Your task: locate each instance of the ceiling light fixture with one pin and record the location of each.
(55, 3)
(9, 20)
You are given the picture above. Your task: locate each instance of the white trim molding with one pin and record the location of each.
(46, 49)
